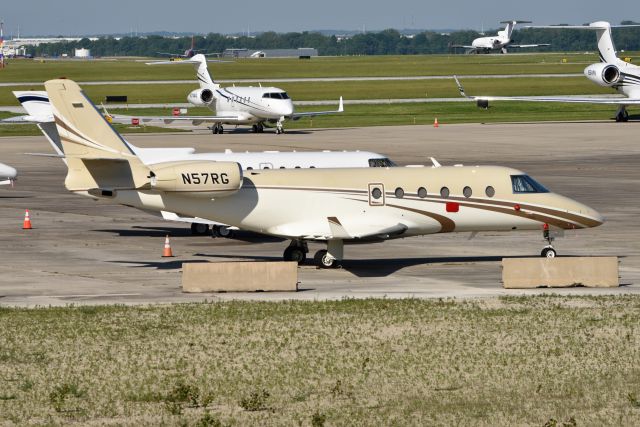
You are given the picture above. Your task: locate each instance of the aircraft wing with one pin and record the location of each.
(612, 100)
(195, 120)
(529, 45)
(463, 46)
(297, 116)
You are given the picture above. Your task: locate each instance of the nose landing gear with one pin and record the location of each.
(548, 251)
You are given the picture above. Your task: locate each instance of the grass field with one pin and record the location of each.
(508, 361)
(21, 70)
(390, 115)
(177, 93)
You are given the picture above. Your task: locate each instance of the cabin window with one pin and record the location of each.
(249, 168)
(265, 167)
(467, 192)
(490, 191)
(312, 167)
(444, 192)
(526, 184)
(399, 193)
(282, 167)
(376, 193)
(422, 192)
(381, 163)
(297, 167)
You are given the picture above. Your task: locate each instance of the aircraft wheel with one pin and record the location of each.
(254, 128)
(324, 260)
(214, 130)
(221, 231)
(548, 253)
(198, 229)
(221, 129)
(294, 253)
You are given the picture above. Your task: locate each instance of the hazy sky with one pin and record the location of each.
(73, 17)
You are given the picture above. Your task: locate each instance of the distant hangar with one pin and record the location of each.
(302, 53)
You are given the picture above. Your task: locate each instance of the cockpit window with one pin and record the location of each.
(381, 163)
(526, 184)
(276, 95)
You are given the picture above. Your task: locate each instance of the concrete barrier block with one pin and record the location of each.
(239, 276)
(592, 272)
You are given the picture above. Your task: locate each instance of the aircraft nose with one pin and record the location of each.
(592, 218)
(287, 108)
(8, 172)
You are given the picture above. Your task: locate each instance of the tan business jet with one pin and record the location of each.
(330, 205)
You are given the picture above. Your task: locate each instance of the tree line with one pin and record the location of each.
(387, 42)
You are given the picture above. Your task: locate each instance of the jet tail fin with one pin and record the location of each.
(97, 156)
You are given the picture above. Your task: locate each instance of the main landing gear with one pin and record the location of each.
(198, 229)
(221, 231)
(622, 115)
(296, 251)
(548, 251)
(325, 258)
(258, 128)
(217, 128)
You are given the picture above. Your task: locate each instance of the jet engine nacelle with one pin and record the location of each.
(604, 74)
(200, 178)
(201, 97)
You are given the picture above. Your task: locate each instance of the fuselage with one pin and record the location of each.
(252, 104)
(297, 203)
(490, 43)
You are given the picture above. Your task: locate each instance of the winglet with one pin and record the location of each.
(436, 164)
(340, 106)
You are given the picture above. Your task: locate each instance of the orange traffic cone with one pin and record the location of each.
(167, 248)
(435, 123)
(26, 225)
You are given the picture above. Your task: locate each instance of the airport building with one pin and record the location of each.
(302, 52)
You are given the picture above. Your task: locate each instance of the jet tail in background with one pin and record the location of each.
(199, 62)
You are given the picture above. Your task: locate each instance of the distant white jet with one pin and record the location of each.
(237, 105)
(499, 42)
(611, 72)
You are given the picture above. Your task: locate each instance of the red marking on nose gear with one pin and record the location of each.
(453, 207)
(517, 207)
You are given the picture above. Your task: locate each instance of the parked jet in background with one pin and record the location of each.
(7, 174)
(611, 72)
(189, 53)
(238, 105)
(329, 205)
(500, 42)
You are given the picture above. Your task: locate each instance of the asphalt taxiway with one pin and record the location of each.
(86, 252)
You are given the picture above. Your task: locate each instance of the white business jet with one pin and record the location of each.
(500, 42)
(335, 206)
(611, 72)
(237, 105)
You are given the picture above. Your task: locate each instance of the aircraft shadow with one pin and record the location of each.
(16, 197)
(137, 231)
(159, 265)
(373, 267)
